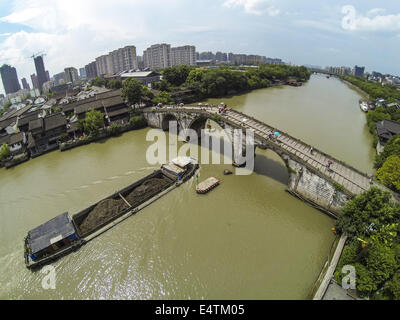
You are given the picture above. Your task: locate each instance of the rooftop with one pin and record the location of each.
(51, 232)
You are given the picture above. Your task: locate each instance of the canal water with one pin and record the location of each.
(247, 239)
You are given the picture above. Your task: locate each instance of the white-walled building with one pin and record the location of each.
(158, 56)
(183, 55)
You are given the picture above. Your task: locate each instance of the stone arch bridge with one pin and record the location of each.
(309, 177)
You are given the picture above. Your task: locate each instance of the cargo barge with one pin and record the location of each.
(63, 234)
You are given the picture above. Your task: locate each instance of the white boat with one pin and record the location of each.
(364, 106)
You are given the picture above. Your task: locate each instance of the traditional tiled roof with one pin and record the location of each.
(35, 124)
(100, 104)
(118, 112)
(28, 117)
(54, 121)
(6, 123)
(387, 128)
(10, 139)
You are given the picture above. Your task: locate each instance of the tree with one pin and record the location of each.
(389, 174)
(176, 75)
(392, 147)
(132, 91)
(164, 98)
(4, 151)
(373, 117)
(393, 286)
(98, 82)
(114, 84)
(381, 262)
(94, 120)
(365, 283)
(348, 256)
(372, 206)
(137, 122)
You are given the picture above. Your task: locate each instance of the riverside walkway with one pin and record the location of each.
(351, 179)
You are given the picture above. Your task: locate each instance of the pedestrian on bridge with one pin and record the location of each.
(371, 178)
(328, 165)
(312, 150)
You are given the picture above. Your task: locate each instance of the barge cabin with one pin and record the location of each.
(50, 239)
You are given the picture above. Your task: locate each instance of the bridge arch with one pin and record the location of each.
(170, 117)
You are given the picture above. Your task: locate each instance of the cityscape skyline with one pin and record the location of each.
(345, 33)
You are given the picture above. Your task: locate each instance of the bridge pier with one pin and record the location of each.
(311, 187)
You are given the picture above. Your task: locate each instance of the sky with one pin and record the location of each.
(323, 32)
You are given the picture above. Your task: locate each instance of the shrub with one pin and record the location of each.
(138, 122)
(114, 129)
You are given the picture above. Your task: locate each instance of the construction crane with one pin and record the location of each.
(35, 55)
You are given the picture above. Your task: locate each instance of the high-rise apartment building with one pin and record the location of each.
(91, 70)
(183, 55)
(207, 56)
(9, 78)
(40, 71)
(123, 59)
(25, 84)
(104, 65)
(35, 83)
(140, 62)
(82, 73)
(71, 75)
(158, 56)
(59, 78)
(358, 71)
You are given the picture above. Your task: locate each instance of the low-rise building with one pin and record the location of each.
(386, 129)
(44, 133)
(145, 77)
(16, 142)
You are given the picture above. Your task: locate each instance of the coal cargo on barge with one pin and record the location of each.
(63, 234)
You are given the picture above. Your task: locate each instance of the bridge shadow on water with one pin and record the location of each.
(274, 169)
(263, 165)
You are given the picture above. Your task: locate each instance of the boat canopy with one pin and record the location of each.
(51, 232)
(182, 161)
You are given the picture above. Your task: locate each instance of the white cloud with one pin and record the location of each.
(372, 22)
(71, 33)
(257, 7)
(375, 11)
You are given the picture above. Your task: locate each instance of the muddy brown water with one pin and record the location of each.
(246, 239)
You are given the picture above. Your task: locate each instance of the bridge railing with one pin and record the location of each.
(306, 144)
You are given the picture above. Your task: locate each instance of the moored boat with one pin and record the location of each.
(363, 106)
(207, 185)
(63, 234)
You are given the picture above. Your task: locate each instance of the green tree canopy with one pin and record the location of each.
(94, 120)
(176, 75)
(114, 84)
(392, 147)
(389, 174)
(98, 82)
(4, 151)
(164, 98)
(381, 262)
(372, 206)
(132, 91)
